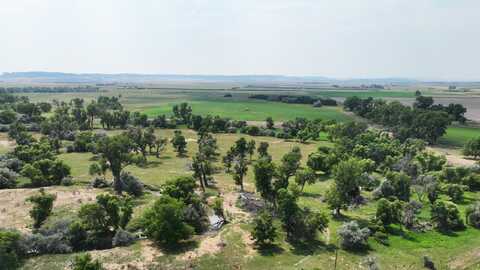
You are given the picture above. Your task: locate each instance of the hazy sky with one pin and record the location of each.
(426, 39)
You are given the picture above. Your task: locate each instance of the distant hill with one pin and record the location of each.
(59, 77)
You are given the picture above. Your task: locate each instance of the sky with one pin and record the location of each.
(420, 39)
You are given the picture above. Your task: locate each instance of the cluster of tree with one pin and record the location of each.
(176, 215)
(15, 108)
(317, 102)
(423, 120)
(272, 182)
(98, 225)
(37, 161)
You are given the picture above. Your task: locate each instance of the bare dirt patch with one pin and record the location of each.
(127, 258)
(14, 210)
(465, 261)
(209, 245)
(229, 204)
(454, 157)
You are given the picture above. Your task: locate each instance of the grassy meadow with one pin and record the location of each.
(459, 250)
(405, 250)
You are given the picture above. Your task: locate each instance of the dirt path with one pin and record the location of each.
(233, 212)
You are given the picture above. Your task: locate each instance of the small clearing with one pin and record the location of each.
(14, 210)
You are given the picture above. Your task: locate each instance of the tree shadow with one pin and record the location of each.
(270, 250)
(308, 247)
(311, 195)
(466, 201)
(153, 164)
(178, 248)
(400, 232)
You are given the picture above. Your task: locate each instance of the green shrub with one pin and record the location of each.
(473, 215)
(165, 222)
(353, 237)
(9, 250)
(446, 216)
(85, 262)
(263, 230)
(42, 207)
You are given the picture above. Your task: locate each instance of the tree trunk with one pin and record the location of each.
(117, 182)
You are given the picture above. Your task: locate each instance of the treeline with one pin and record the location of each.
(317, 102)
(46, 89)
(423, 120)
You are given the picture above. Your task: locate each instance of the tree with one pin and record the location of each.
(227, 160)
(7, 117)
(9, 249)
(430, 162)
(85, 262)
(299, 224)
(263, 232)
(347, 175)
(422, 102)
(263, 171)
(305, 176)
(389, 212)
(179, 143)
(262, 149)
(446, 216)
(422, 184)
(353, 237)
(472, 215)
(207, 145)
(270, 123)
(251, 148)
(472, 148)
(181, 188)
(165, 222)
(106, 215)
(289, 165)
(240, 169)
(159, 146)
(455, 192)
(401, 185)
(18, 132)
(8, 178)
(335, 200)
(202, 169)
(218, 208)
(410, 212)
(61, 125)
(116, 151)
(42, 207)
(183, 112)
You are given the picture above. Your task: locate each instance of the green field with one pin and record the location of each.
(457, 136)
(255, 110)
(367, 93)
